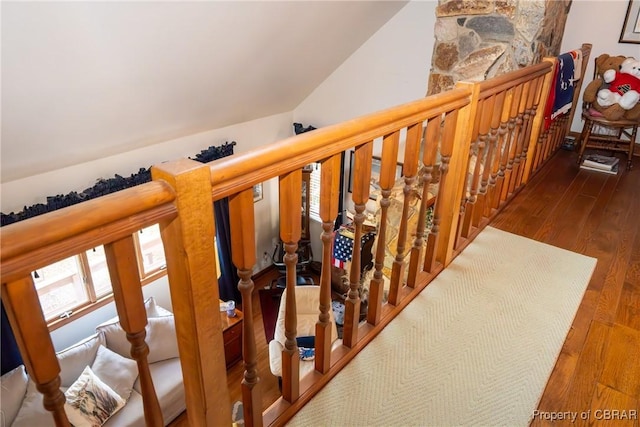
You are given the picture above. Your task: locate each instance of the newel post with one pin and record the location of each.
(188, 244)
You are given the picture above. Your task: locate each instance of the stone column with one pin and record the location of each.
(476, 40)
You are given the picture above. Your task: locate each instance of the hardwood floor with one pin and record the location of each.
(598, 369)
(597, 215)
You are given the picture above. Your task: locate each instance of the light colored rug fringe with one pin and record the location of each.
(476, 347)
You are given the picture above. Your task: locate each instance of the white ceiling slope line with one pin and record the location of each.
(83, 80)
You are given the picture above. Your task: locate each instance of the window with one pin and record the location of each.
(314, 193)
(82, 282)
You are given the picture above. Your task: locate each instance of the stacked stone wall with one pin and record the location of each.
(478, 39)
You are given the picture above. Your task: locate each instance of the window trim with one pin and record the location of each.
(95, 302)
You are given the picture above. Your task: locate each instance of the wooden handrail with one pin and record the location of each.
(495, 121)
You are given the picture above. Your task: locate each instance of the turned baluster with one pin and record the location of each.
(503, 150)
(29, 326)
(409, 170)
(387, 180)
(127, 293)
(431, 139)
(530, 113)
(290, 229)
(491, 162)
(485, 110)
(436, 252)
(329, 195)
(521, 125)
(243, 249)
(362, 178)
(514, 135)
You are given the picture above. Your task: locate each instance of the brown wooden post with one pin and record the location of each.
(361, 180)
(329, 195)
(127, 294)
(22, 305)
(290, 229)
(188, 244)
(243, 249)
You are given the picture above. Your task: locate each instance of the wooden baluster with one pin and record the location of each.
(387, 180)
(503, 149)
(387, 175)
(243, 249)
(22, 305)
(528, 123)
(446, 148)
(361, 182)
(329, 195)
(485, 110)
(494, 150)
(127, 294)
(290, 229)
(490, 163)
(189, 248)
(465, 197)
(520, 127)
(431, 140)
(514, 131)
(409, 170)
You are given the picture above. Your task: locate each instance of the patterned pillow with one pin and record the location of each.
(90, 402)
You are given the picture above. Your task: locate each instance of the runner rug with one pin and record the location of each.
(476, 347)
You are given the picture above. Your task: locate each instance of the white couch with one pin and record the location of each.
(307, 306)
(106, 354)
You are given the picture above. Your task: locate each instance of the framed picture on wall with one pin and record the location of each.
(631, 26)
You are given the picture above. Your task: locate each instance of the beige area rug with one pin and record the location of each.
(476, 347)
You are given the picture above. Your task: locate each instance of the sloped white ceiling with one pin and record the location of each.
(83, 80)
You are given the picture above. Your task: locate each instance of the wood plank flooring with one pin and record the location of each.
(598, 369)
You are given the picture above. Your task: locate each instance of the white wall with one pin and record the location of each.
(598, 23)
(249, 135)
(389, 69)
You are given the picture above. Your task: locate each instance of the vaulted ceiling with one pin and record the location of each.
(82, 80)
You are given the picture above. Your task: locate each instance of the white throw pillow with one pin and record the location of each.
(73, 359)
(161, 339)
(116, 371)
(151, 308)
(90, 402)
(14, 388)
(154, 310)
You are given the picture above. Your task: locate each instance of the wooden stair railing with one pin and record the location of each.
(500, 154)
(499, 117)
(552, 137)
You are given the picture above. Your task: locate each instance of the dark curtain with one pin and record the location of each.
(10, 357)
(228, 280)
